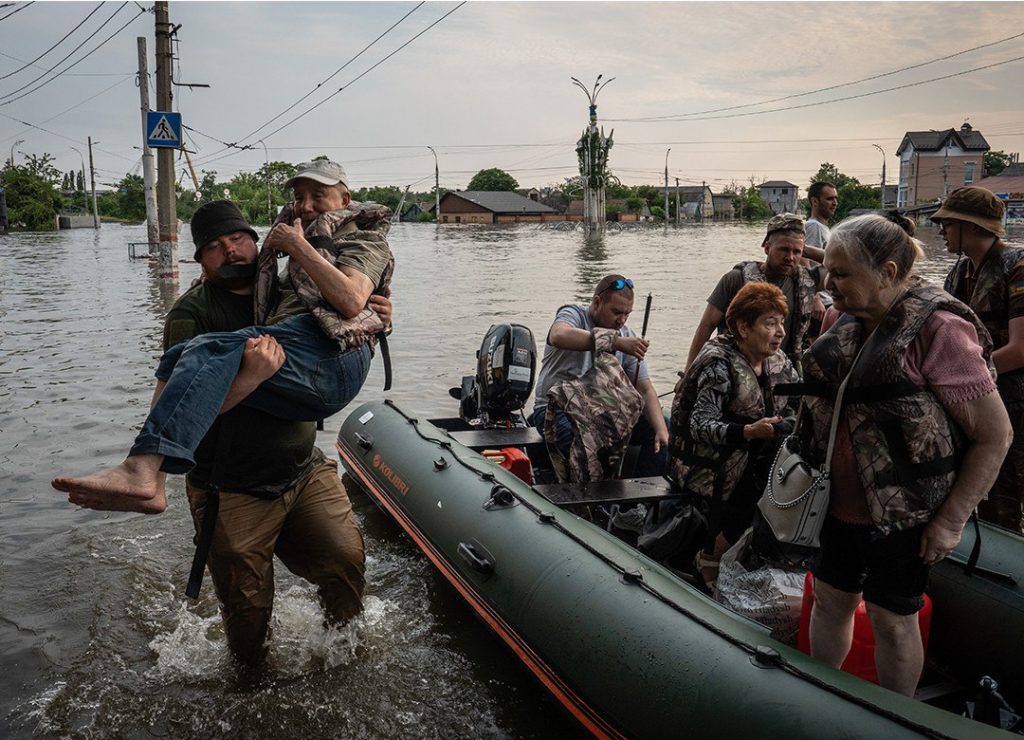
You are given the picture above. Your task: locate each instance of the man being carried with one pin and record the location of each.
(569, 354)
(989, 278)
(824, 200)
(783, 248)
(339, 257)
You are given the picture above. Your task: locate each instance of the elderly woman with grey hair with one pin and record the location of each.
(921, 435)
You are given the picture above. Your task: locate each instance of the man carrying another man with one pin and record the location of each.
(783, 247)
(268, 487)
(569, 354)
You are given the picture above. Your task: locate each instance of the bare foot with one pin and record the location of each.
(137, 484)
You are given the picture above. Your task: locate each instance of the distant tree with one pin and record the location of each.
(852, 194)
(80, 181)
(651, 194)
(634, 205)
(42, 166)
(386, 195)
(615, 189)
(425, 217)
(658, 212)
(747, 202)
(32, 199)
(612, 211)
(492, 179)
(64, 182)
(996, 162)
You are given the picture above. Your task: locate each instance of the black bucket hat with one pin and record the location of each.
(214, 219)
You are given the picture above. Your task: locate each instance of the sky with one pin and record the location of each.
(487, 84)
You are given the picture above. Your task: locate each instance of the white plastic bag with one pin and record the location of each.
(767, 594)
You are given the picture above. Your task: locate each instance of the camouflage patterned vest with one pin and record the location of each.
(603, 407)
(693, 464)
(803, 295)
(906, 446)
(990, 301)
(330, 234)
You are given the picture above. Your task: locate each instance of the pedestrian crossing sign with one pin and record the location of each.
(163, 129)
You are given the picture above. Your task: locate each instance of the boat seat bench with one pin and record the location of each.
(482, 439)
(624, 491)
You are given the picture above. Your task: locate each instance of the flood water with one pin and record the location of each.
(96, 636)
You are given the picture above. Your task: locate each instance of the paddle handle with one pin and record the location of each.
(643, 335)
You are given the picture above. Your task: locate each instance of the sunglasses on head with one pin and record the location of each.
(617, 284)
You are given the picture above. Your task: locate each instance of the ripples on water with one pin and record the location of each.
(96, 636)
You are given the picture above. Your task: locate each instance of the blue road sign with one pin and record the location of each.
(163, 129)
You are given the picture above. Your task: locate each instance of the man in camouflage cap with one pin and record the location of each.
(783, 247)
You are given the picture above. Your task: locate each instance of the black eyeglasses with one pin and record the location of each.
(617, 284)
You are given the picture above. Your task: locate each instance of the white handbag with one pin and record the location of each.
(795, 499)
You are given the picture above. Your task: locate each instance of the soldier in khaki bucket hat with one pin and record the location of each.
(989, 277)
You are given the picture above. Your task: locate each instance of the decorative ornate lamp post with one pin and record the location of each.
(592, 151)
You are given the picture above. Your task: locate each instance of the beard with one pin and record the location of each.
(233, 277)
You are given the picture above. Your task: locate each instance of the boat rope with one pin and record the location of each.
(763, 657)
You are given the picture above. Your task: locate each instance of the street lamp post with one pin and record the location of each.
(883, 172)
(266, 160)
(19, 141)
(437, 188)
(82, 159)
(666, 184)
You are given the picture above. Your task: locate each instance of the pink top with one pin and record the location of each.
(946, 358)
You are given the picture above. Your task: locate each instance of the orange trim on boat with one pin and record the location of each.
(583, 712)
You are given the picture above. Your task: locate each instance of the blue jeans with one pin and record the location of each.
(648, 463)
(316, 380)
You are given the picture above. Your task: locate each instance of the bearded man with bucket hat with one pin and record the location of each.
(989, 277)
(249, 503)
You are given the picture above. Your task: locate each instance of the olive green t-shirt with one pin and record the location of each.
(262, 454)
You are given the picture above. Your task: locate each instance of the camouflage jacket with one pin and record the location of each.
(346, 229)
(803, 296)
(603, 406)
(720, 388)
(907, 447)
(990, 300)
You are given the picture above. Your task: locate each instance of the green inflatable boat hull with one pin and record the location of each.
(625, 645)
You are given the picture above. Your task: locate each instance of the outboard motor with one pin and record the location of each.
(506, 365)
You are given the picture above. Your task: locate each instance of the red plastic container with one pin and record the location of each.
(861, 659)
(513, 459)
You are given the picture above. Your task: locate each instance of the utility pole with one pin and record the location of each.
(945, 173)
(677, 201)
(148, 169)
(266, 163)
(166, 200)
(666, 184)
(92, 179)
(401, 202)
(437, 188)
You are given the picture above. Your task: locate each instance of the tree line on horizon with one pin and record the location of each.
(37, 190)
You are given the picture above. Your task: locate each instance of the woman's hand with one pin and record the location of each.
(762, 428)
(940, 537)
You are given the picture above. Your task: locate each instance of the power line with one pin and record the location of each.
(839, 100)
(823, 89)
(18, 10)
(77, 62)
(84, 42)
(76, 105)
(348, 84)
(335, 73)
(29, 64)
(69, 74)
(62, 136)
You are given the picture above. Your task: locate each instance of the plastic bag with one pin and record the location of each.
(765, 593)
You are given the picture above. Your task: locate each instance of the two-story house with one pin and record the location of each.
(779, 195)
(933, 163)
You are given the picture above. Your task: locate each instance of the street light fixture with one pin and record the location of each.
(19, 141)
(74, 186)
(883, 172)
(266, 160)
